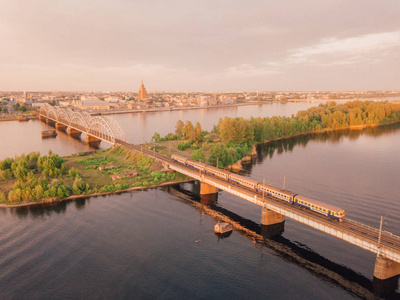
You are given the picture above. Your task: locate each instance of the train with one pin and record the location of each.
(325, 209)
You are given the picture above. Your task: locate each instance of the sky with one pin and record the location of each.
(199, 45)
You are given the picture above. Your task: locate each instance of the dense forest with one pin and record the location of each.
(237, 135)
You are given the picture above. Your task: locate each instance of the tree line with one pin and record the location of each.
(238, 135)
(39, 177)
(239, 131)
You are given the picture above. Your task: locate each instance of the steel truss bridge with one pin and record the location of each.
(98, 128)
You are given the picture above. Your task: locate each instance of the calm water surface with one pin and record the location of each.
(160, 243)
(24, 137)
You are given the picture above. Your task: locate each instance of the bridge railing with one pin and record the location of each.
(386, 233)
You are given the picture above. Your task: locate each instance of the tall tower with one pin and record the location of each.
(142, 93)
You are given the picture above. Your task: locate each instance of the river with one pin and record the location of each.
(160, 243)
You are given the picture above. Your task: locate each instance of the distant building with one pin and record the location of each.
(142, 93)
(85, 98)
(24, 101)
(91, 104)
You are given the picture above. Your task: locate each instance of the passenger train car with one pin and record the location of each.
(293, 198)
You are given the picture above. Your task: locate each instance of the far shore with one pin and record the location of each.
(237, 166)
(16, 118)
(95, 195)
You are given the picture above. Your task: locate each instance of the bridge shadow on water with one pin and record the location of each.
(289, 251)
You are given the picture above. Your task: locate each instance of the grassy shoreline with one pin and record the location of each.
(28, 179)
(94, 195)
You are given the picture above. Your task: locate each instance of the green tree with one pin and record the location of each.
(60, 192)
(20, 172)
(179, 128)
(188, 130)
(198, 155)
(38, 192)
(79, 186)
(156, 137)
(73, 172)
(197, 133)
(218, 153)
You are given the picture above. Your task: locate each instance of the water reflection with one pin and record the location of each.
(41, 210)
(333, 137)
(293, 252)
(287, 250)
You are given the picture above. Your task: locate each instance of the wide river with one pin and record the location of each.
(160, 243)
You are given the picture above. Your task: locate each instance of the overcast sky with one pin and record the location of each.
(199, 45)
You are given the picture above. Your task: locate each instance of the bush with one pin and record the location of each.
(184, 145)
(73, 172)
(198, 155)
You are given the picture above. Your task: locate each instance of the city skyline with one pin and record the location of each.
(199, 46)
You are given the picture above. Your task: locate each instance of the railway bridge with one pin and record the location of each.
(97, 129)
(274, 210)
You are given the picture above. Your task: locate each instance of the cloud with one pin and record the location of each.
(248, 70)
(367, 48)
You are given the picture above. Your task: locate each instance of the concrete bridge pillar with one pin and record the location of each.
(41, 118)
(209, 199)
(74, 133)
(206, 189)
(92, 141)
(50, 122)
(385, 268)
(386, 277)
(60, 126)
(272, 223)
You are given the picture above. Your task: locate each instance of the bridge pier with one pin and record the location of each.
(207, 189)
(209, 199)
(92, 141)
(50, 122)
(74, 133)
(385, 268)
(386, 276)
(60, 126)
(272, 223)
(41, 118)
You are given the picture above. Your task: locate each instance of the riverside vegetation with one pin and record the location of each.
(233, 138)
(34, 178)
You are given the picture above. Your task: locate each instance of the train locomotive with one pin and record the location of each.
(327, 210)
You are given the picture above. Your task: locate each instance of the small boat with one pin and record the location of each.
(222, 227)
(49, 133)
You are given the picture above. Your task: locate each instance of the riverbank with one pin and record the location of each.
(130, 111)
(34, 179)
(17, 118)
(238, 165)
(95, 194)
